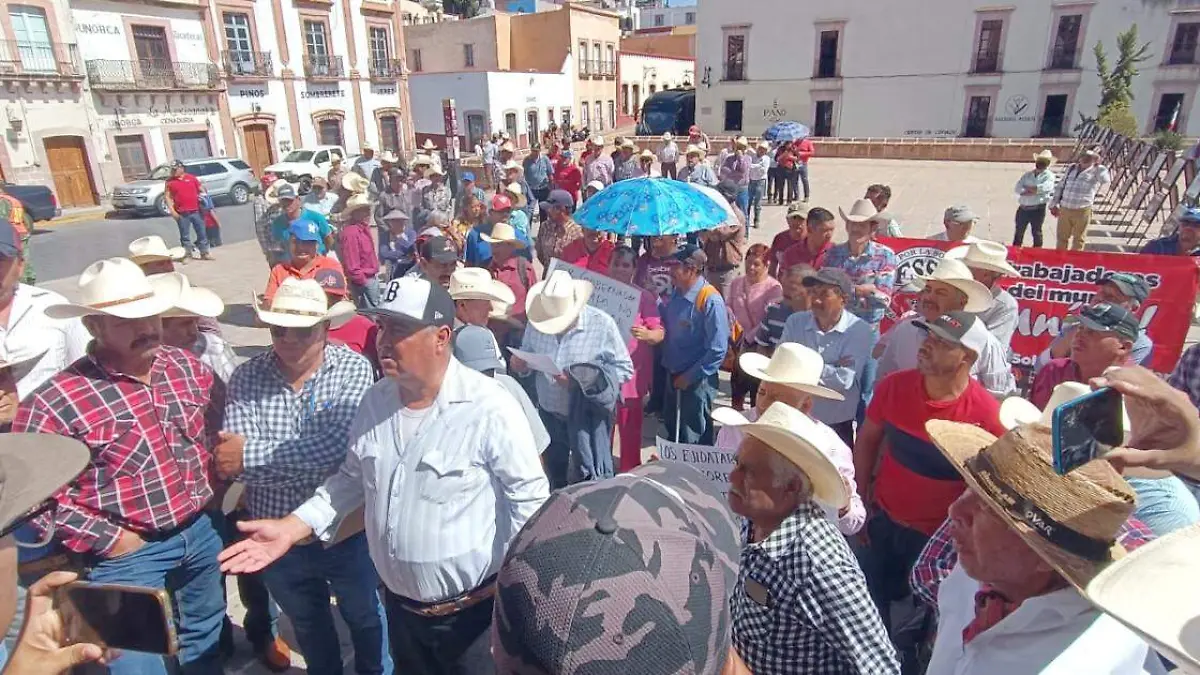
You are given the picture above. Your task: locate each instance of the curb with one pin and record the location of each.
(73, 218)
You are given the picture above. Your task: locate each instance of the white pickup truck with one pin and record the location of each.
(302, 165)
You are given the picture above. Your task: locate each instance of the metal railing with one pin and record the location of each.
(735, 71)
(248, 64)
(1062, 58)
(986, 62)
(44, 59)
(323, 67)
(385, 69)
(608, 69)
(151, 74)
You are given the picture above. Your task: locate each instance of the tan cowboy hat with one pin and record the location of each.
(510, 165)
(741, 142)
(272, 192)
(358, 200)
(389, 157)
(114, 287)
(627, 144)
(508, 147)
(646, 154)
(955, 273)
(860, 212)
(763, 145)
(792, 365)
(1045, 155)
(598, 141)
(1015, 411)
(787, 431)
(354, 182)
(301, 303)
(189, 300)
(435, 170)
(152, 249)
(422, 160)
(693, 150)
(516, 194)
(475, 283)
(1070, 521)
(366, 145)
(554, 303)
(985, 255)
(1151, 591)
(502, 233)
(428, 145)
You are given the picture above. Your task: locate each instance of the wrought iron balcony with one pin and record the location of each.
(151, 75)
(323, 67)
(39, 60)
(244, 64)
(608, 69)
(385, 69)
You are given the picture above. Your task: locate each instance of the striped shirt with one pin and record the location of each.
(768, 333)
(594, 338)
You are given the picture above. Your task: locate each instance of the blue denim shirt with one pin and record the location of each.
(538, 172)
(696, 340)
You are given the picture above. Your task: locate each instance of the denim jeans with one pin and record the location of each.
(300, 582)
(195, 222)
(185, 564)
(757, 188)
(694, 410)
(743, 200)
(366, 296)
(1164, 504)
(870, 372)
(802, 173)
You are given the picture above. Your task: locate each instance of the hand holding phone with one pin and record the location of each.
(119, 617)
(1086, 428)
(42, 647)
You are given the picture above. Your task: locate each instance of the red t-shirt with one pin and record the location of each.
(916, 484)
(577, 254)
(359, 335)
(185, 193)
(799, 254)
(1050, 376)
(780, 244)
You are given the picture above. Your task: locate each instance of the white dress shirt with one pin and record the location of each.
(902, 341)
(442, 505)
(943, 236)
(1001, 317)
(29, 331)
(1059, 633)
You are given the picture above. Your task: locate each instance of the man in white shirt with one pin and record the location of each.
(447, 482)
(957, 221)
(1072, 203)
(988, 262)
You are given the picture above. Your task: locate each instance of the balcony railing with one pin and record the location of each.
(323, 67)
(151, 75)
(248, 64)
(608, 69)
(735, 71)
(1063, 58)
(385, 69)
(986, 62)
(39, 60)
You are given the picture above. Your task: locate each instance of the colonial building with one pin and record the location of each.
(661, 13)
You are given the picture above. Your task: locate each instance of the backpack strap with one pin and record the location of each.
(706, 292)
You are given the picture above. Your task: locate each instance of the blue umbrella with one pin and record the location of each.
(786, 131)
(648, 207)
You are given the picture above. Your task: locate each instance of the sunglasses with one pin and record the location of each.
(296, 333)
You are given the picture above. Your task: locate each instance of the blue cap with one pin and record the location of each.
(1191, 215)
(468, 177)
(305, 230)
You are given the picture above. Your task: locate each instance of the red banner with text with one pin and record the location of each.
(1055, 283)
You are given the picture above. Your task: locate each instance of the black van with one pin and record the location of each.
(672, 110)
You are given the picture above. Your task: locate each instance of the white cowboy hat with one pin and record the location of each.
(860, 212)
(356, 201)
(516, 194)
(598, 140)
(627, 143)
(596, 185)
(792, 365)
(763, 145)
(953, 272)
(510, 165)
(301, 303)
(366, 145)
(435, 170)
(1045, 155)
(693, 150)
(787, 430)
(1150, 590)
(428, 145)
(114, 287)
(668, 136)
(985, 255)
(502, 233)
(1015, 411)
(189, 300)
(153, 248)
(354, 182)
(422, 160)
(554, 304)
(389, 157)
(508, 147)
(741, 142)
(475, 283)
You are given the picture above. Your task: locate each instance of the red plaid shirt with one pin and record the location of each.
(149, 444)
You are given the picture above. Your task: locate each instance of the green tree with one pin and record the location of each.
(1118, 117)
(1116, 83)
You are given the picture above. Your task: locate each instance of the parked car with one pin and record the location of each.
(38, 200)
(225, 179)
(301, 165)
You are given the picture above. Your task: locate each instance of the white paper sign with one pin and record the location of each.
(539, 362)
(618, 300)
(715, 463)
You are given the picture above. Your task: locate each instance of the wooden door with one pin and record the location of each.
(69, 167)
(131, 155)
(257, 140)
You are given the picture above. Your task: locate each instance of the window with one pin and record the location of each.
(469, 56)
(624, 99)
(532, 130)
(330, 131)
(583, 113)
(1054, 115)
(1183, 47)
(978, 111)
(1066, 42)
(238, 43)
(612, 114)
(510, 125)
(316, 47)
(599, 118)
(239, 165)
(1170, 107)
(987, 53)
(416, 60)
(566, 117)
(596, 60)
(689, 18)
(827, 55)
(735, 57)
(637, 100)
(153, 56)
(32, 35)
(583, 58)
(380, 48)
(823, 119)
(733, 115)
(389, 133)
(659, 20)
(610, 63)
(322, 156)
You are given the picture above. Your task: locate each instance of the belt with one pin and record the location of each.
(454, 605)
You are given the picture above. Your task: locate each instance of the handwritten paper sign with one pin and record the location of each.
(542, 363)
(618, 300)
(715, 463)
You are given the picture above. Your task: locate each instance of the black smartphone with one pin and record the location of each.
(1086, 428)
(115, 616)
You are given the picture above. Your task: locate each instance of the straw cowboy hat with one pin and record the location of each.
(22, 358)
(598, 141)
(1045, 155)
(422, 160)
(693, 150)
(152, 248)
(955, 273)
(516, 194)
(741, 142)
(428, 145)
(1015, 411)
(787, 430)
(189, 300)
(435, 170)
(301, 303)
(1070, 521)
(860, 212)
(554, 304)
(358, 200)
(985, 255)
(1151, 591)
(792, 365)
(354, 182)
(114, 287)
(646, 154)
(475, 283)
(508, 147)
(502, 233)
(389, 157)
(627, 144)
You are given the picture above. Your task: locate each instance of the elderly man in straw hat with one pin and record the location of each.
(1034, 189)
(477, 296)
(1076, 194)
(565, 328)
(287, 426)
(988, 262)
(147, 413)
(181, 323)
(696, 170)
(626, 163)
(668, 156)
(801, 603)
(436, 196)
(949, 288)
(598, 166)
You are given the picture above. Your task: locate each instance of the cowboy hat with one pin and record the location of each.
(422, 160)
(276, 191)
(627, 143)
(354, 182)
(596, 185)
(475, 283)
(860, 212)
(646, 154)
(153, 248)
(428, 145)
(1015, 411)
(554, 303)
(508, 147)
(955, 273)
(763, 145)
(502, 233)
(510, 165)
(792, 365)
(741, 142)
(598, 140)
(389, 157)
(1070, 521)
(787, 431)
(34, 467)
(985, 255)
(189, 300)
(114, 287)
(358, 200)
(1045, 155)
(516, 194)
(435, 170)
(301, 303)
(1149, 591)
(693, 150)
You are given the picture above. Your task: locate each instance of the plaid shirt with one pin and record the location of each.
(149, 444)
(1186, 376)
(294, 440)
(817, 618)
(876, 265)
(1078, 188)
(593, 339)
(769, 332)
(264, 215)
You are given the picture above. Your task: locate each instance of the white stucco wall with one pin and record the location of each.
(672, 16)
(643, 71)
(522, 92)
(492, 94)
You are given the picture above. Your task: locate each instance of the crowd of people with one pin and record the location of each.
(444, 439)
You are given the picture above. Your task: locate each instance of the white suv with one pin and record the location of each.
(302, 165)
(224, 178)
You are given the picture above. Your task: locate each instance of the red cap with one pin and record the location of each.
(695, 129)
(501, 203)
(332, 281)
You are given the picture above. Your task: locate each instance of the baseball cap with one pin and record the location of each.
(961, 328)
(1130, 285)
(960, 214)
(438, 249)
(32, 468)
(1110, 318)
(831, 276)
(285, 191)
(475, 347)
(501, 203)
(416, 301)
(559, 198)
(1191, 216)
(693, 255)
(304, 230)
(468, 177)
(10, 243)
(798, 209)
(332, 281)
(596, 185)
(653, 552)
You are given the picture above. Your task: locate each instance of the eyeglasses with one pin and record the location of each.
(295, 332)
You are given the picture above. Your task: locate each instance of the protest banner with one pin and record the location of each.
(1056, 283)
(618, 300)
(715, 463)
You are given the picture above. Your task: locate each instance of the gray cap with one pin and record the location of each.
(960, 214)
(475, 347)
(831, 276)
(1130, 285)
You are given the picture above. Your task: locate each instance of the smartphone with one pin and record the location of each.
(114, 616)
(1086, 428)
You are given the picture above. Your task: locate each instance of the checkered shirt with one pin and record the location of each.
(1078, 188)
(594, 338)
(264, 215)
(819, 618)
(294, 440)
(876, 265)
(149, 445)
(1186, 376)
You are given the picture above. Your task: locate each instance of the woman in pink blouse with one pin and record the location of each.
(748, 298)
(647, 332)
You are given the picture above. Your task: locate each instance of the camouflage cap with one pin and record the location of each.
(625, 575)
